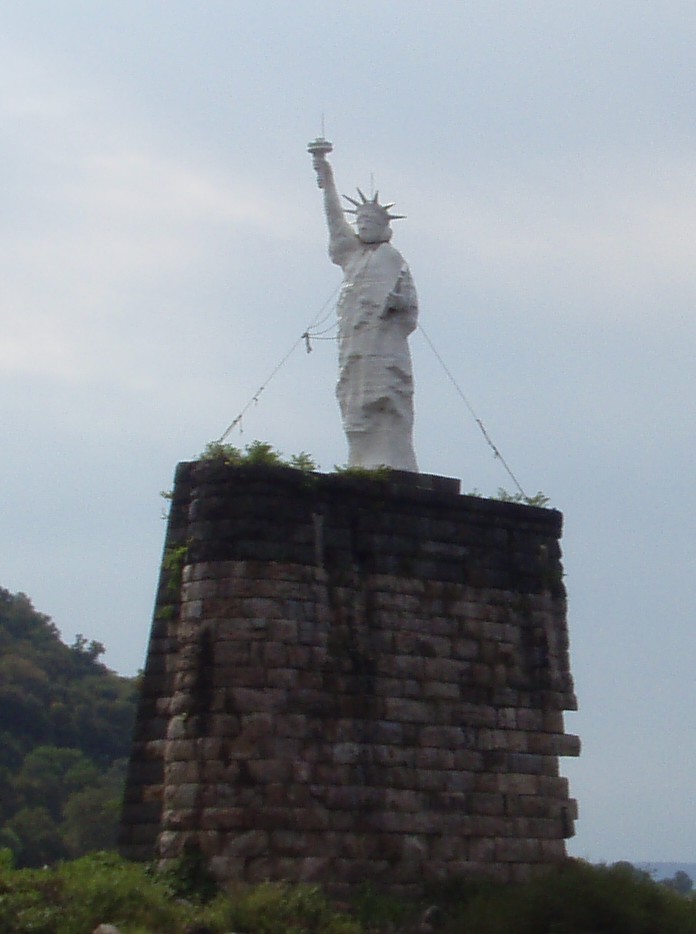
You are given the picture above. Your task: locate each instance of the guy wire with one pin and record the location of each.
(478, 421)
(255, 398)
(305, 336)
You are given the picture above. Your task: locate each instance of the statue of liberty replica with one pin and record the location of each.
(377, 310)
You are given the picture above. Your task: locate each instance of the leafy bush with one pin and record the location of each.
(504, 496)
(189, 878)
(382, 473)
(274, 907)
(538, 499)
(575, 899)
(257, 453)
(374, 908)
(103, 888)
(75, 897)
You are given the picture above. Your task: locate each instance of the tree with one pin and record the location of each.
(91, 816)
(65, 729)
(49, 776)
(680, 882)
(37, 840)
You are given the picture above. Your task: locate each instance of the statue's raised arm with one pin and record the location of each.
(341, 235)
(377, 310)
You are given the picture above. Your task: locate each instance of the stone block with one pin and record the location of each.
(315, 818)
(401, 799)
(468, 760)
(446, 737)
(182, 797)
(266, 771)
(280, 747)
(250, 700)
(291, 794)
(316, 869)
(486, 803)
(255, 725)
(179, 773)
(535, 720)
(553, 787)
(511, 850)
(443, 669)
(181, 750)
(347, 753)
(292, 725)
(169, 844)
(400, 666)
(520, 784)
(551, 851)
(407, 711)
(394, 755)
(299, 656)
(224, 819)
(248, 844)
(226, 869)
(191, 611)
(552, 721)
(180, 821)
(531, 764)
(493, 739)
(565, 744)
(282, 677)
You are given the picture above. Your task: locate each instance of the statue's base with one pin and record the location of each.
(353, 679)
(424, 481)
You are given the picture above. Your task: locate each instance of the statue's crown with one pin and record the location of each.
(372, 204)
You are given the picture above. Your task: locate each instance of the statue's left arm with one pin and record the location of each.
(402, 302)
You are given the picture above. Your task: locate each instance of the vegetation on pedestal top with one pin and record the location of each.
(262, 453)
(257, 453)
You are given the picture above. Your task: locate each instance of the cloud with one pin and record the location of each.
(609, 243)
(113, 226)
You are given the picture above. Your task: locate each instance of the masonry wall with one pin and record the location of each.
(353, 679)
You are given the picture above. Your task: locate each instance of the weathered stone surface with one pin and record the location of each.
(393, 714)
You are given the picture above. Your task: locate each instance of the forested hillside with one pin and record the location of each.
(65, 728)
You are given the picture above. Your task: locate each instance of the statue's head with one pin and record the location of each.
(372, 218)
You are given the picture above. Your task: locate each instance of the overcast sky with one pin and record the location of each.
(163, 248)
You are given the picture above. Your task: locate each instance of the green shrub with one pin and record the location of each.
(575, 899)
(75, 897)
(257, 453)
(189, 878)
(375, 908)
(271, 908)
(381, 473)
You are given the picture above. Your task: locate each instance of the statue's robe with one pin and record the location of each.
(377, 310)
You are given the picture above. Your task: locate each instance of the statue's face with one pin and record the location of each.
(372, 226)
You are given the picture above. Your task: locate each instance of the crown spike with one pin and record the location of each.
(371, 204)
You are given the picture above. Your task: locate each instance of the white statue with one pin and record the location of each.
(377, 310)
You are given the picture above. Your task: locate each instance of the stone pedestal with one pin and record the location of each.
(353, 679)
